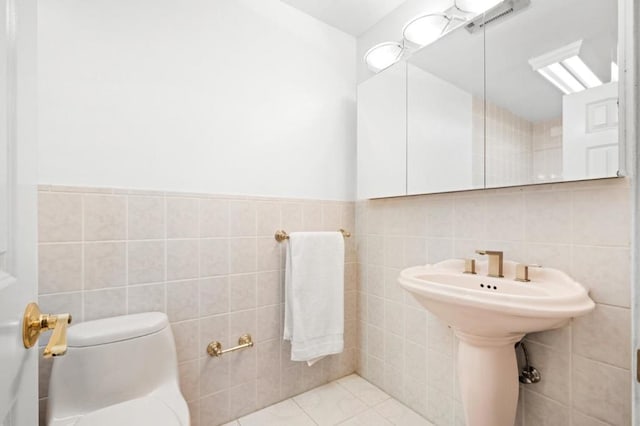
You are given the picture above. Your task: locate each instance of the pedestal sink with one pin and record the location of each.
(488, 315)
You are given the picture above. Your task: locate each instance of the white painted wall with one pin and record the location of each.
(224, 96)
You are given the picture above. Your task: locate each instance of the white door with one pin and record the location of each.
(590, 133)
(18, 257)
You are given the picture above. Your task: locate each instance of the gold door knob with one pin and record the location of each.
(35, 323)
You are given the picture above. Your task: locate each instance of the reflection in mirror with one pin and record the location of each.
(382, 138)
(551, 93)
(445, 122)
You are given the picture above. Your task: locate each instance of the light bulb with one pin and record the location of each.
(425, 29)
(383, 55)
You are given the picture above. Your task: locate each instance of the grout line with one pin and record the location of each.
(571, 354)
(199, 307)
(602, 363)
(82, 258)
(524, 407)
(44, 243)
(126, 254)
(542, 395)
(572, 247)
(166, 253)
(303, 410)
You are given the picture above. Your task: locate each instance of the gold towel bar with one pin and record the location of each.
(282, 235)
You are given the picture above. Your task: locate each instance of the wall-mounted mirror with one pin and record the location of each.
(445, 114)
(526, 93)
(551, 93)
(382, 134)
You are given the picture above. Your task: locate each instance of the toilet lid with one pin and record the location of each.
(147, 411)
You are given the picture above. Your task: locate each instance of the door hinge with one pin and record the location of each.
(638, 365)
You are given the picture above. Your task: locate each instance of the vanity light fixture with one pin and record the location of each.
(426, 29)
(565, 70)
(383, 55)
(476, 6)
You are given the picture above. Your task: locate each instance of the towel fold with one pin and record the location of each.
(314, 295)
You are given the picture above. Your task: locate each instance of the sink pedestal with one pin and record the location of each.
(488, 375)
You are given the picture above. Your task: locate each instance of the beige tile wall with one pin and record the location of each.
(211, 263)
(517, 151)
(581, 228)
(508, 147)
(547, 151)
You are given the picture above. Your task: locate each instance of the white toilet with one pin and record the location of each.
(118, 371)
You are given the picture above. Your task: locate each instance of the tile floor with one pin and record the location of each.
(349, 401)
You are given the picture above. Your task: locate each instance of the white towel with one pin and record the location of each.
(314, 295)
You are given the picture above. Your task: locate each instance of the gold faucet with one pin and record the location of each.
(35, 323)
(495, 262)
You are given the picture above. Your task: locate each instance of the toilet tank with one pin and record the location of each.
(112, 360)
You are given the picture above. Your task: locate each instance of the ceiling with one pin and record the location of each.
(351, 16)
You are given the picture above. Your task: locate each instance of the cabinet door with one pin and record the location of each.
(445, 124)
(382, 134)
(441, 135)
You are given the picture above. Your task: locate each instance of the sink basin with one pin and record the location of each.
(489, 315)
(486, 306)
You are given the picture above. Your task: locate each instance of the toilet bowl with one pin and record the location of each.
(118, 371)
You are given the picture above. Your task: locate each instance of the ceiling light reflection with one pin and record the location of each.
(425, 29)
(383, 55)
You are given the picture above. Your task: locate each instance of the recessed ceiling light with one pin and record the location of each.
(383, 55)
(561, 78)
(425, 29)
(578, 68)
(565, 70)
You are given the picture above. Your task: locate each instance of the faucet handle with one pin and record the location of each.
(522, 271)
(469, 266)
